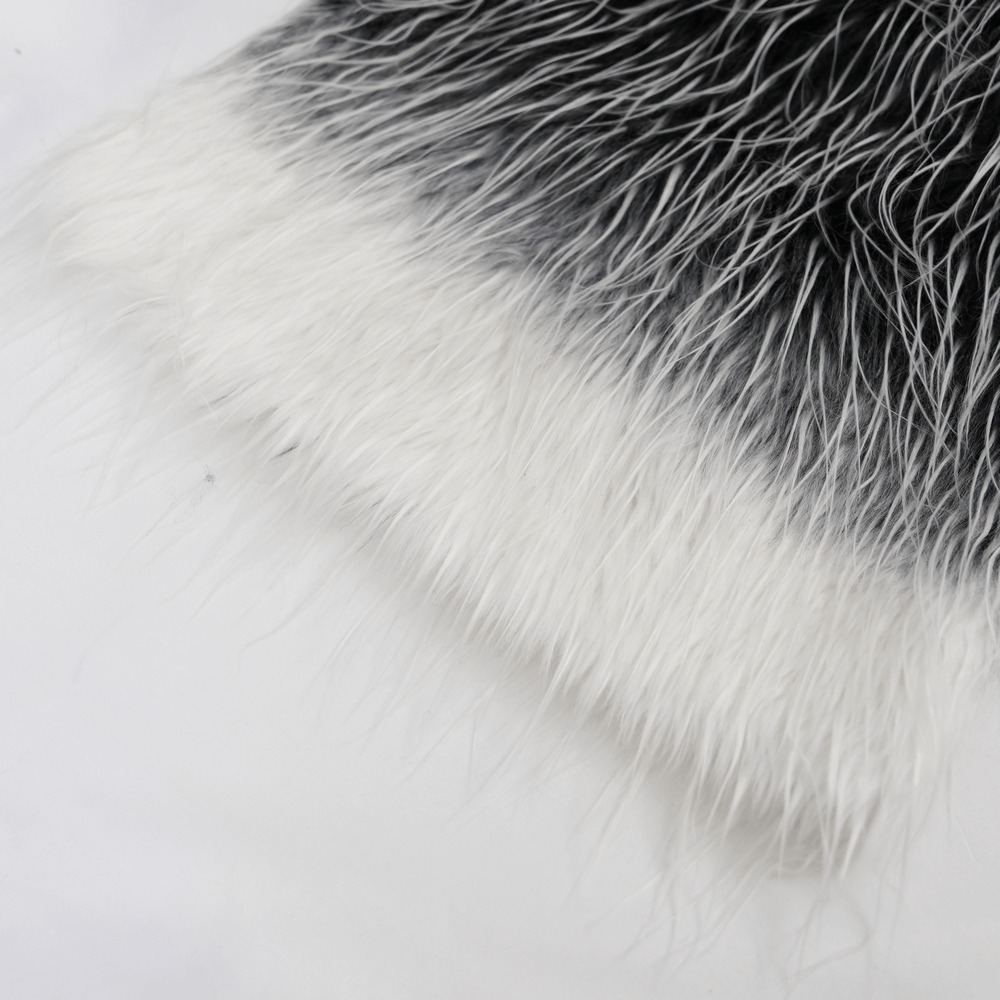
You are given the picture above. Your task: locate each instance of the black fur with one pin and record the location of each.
(789, 205)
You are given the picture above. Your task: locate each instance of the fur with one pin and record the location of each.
(657, 340)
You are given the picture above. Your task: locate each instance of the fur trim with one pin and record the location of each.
(657, 340)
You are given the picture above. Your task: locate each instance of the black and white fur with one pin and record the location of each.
(656, 339)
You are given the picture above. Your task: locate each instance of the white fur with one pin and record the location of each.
(548, 503)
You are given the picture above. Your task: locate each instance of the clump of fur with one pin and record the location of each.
(656, 339)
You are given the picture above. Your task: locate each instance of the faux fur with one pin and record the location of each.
(658, 340)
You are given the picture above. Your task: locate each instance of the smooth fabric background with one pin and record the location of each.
(230, 771)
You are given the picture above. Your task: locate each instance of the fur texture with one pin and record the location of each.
(656, 339)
